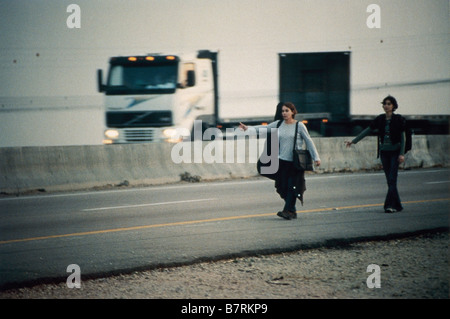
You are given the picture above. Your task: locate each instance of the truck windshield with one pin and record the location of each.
(142, 79)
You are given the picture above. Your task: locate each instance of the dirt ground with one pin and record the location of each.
(413, 267)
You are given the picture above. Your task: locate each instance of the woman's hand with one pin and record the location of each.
(401, 158)
(317, 163)
(348, 144)
(243, 127)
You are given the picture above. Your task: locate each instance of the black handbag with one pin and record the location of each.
(302, 158)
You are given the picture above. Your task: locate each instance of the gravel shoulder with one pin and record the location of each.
(413, 267)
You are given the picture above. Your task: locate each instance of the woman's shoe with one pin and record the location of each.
(284, 214)
(293, 215)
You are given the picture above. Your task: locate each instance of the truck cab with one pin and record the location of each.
(157, 97)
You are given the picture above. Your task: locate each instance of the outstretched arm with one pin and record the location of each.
(361, 135)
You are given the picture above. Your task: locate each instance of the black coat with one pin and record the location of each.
(397, 126)
(286, 170)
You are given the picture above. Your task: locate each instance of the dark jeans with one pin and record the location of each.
(291, 198)
(290, 184)
(389, 159)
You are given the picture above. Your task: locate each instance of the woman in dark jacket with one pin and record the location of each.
(390, 128)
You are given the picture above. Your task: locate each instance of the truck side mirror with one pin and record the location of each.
(101, 87)
(190, 78)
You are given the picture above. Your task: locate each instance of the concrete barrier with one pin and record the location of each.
(427, 151)
(54, 168)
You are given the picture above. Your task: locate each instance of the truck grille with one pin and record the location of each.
(136, 136)
(138, 119)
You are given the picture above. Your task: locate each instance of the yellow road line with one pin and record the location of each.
(96, 232)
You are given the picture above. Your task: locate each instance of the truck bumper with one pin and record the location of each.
(141, 135)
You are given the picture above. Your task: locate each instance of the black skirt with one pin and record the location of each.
(286, 170)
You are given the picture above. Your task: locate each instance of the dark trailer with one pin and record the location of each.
(319, 84)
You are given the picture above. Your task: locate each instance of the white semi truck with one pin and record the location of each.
(159, 97)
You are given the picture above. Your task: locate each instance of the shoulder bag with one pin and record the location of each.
(302, 158)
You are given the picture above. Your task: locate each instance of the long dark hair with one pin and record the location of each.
(278, 112)
(280, 105)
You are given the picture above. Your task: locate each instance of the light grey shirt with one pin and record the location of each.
(286, 134)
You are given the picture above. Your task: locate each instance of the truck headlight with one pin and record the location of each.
(175, 135)
(170, 132)
(112, 134)
(172, 135)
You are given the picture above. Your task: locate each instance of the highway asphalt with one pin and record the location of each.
(127, 229)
